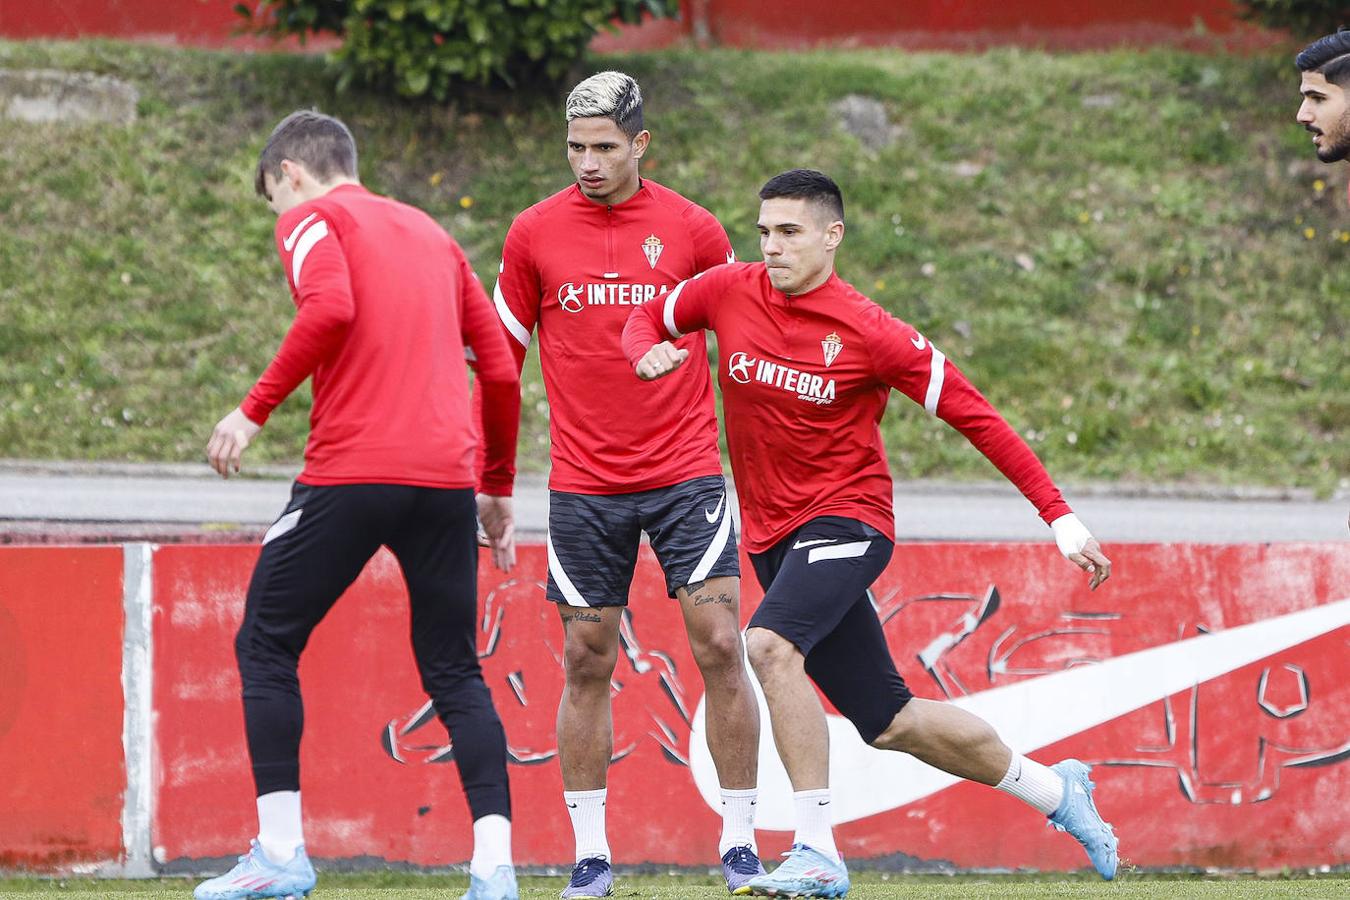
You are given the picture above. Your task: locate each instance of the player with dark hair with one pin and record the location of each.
(807, 365)
(1325, 64)
(1325, 110)
(387, 310)
(628, 459)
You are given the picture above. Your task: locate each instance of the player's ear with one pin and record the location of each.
(834, 235)
(641, 142)
(293, 172)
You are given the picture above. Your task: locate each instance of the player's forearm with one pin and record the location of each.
(313, 336)
(498, 405)
(991, 434)
(641, 332)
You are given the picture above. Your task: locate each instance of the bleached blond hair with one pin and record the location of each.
(611, 95)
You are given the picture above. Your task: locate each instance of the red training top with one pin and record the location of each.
(805, 381)
(387, 310)
(575, 269)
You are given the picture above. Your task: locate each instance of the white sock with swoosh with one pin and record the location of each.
(738, 820)
(814, 828)
(587, 809)
(1033, 783)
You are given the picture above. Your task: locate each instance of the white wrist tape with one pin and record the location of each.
(1071, 535)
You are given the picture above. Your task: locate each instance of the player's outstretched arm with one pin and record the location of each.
(1081, 548)
(229, 439)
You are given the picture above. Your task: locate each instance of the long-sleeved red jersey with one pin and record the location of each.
(387, 310)
(805, 381)
(574, 269)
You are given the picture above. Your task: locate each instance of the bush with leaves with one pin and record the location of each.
(423, 48)
(1305, 19)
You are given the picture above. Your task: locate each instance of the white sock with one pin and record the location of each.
(587, 809)
(813, 821)
(1033, 783)
(279, 830)
(491, 845)
(738, 820)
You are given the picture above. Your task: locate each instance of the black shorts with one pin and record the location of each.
(593, 540)
(816, 594)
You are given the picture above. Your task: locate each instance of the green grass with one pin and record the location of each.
(866, 886)
(1135, 255)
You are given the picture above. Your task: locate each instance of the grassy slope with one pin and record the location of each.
(1184, 317)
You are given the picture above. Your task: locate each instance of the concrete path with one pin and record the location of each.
(102, 501)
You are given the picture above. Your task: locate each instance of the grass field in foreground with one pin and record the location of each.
(866, 886)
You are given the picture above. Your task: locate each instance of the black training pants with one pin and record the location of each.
(310, 556)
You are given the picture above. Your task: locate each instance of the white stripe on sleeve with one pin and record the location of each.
(518, 331)
(669, 311)
(315, 233)
(930, 401)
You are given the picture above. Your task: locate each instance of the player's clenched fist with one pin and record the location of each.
(662, 359)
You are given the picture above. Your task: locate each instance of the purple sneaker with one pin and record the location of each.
(739, 865)
(592, 877)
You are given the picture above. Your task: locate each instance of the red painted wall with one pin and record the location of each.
(62, 770)
(1247, 766)
(1249, 769)
(748, 23)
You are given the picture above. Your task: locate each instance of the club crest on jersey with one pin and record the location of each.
(652, 247)
(831, 345)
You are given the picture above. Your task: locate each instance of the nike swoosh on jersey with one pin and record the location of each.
(918, 342)
(712, 516)
(801, 544)
(289, 243)
(1029, 715)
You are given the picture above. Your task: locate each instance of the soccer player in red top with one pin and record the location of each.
(807, 365)
(387, 310)
(1325, 110)
(628, 458)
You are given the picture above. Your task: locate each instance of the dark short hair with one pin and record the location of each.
(321, 143)
(806, 184)
(1328, 56)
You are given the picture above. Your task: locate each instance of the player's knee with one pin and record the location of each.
(898, 735)
(769, 652)
(585, 662)
(718, 651)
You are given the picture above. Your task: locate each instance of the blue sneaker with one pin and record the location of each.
(1078, 815)
(256, 876)
(500, 886)
(739, 865)
(805, 873)
(592, 877)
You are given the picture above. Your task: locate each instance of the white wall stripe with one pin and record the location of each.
(315, 233)
(569, 591)
(518, 331)
(669, 310)
(719, 543)
(138, 711)
(837, 551)
(930, 402)
(289, 243)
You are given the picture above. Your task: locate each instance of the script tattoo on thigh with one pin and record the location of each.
(723, 599)
(569, 617)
